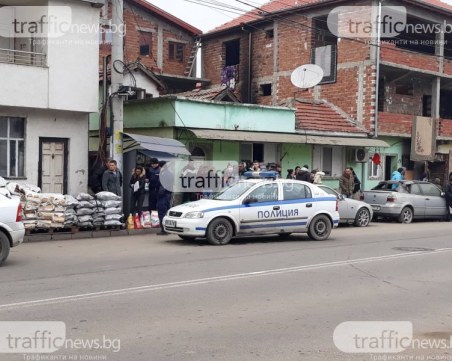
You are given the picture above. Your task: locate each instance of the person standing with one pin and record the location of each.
(304, 174)
(397, 175)
(290, 174)
(112, 179)
(346, 183)
(153, 177)
(137, 184)
(163, 199)
(448, 196)
(356, 185)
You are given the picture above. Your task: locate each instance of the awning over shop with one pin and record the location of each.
(234, 135)
(156, 144)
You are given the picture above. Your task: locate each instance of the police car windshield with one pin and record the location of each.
(233, 192)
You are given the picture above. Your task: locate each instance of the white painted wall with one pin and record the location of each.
(71, 80)
(73, 61)
(56, 124)
(143, 82)
(24, 86)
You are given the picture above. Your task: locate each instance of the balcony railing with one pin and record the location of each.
(23, 57)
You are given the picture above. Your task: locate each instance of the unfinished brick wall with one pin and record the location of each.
(142, 25)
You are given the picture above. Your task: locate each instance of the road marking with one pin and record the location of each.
(201, 281)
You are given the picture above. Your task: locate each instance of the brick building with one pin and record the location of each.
(367, 91)
(160, 41)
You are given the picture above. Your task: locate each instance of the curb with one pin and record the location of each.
(62, 236)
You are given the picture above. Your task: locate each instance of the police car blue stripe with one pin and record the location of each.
(200, 228)
(283, 224)
(277, 203)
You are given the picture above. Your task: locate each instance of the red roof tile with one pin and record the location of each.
(322, 117)
(280, 5)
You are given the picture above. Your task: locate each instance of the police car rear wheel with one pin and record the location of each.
(219, 232)
(320, 228)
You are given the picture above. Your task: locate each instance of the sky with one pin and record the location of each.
(205, 18)
(201, 16)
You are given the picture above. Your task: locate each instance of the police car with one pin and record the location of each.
(256, 206)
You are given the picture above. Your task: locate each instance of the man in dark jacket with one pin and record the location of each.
(304, 174)
(112, 179)
(153, 176)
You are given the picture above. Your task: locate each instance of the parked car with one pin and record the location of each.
(351, 210)
(407, 200)
(256, 206)
(11, 227)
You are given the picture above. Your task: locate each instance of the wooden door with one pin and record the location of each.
(53, 165)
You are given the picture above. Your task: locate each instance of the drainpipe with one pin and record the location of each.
(106, 60)
(377, 74)
(249, 62)
(249, 66)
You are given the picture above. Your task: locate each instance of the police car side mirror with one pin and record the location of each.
(249, 200)
(341, 197)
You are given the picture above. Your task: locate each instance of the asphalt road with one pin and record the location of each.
(259, 298)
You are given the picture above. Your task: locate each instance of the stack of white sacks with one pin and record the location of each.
(53, 210)
(70, 215)
(112, 208)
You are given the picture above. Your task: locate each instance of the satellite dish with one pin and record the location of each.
(306, 76)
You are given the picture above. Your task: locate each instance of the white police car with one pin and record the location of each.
(256, 207)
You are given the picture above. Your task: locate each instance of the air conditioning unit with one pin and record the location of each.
(361, 155)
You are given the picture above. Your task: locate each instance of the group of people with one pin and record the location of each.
(303, 174)
(111, 180)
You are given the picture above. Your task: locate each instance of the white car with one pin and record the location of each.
(351, 210)
(256, 207)
(11, 227)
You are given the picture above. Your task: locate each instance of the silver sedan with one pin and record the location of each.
(351, 211)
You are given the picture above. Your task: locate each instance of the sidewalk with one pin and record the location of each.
(51, 234)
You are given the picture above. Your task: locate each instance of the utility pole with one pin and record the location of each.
(117, 59)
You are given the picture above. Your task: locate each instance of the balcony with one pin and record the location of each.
(23, 57)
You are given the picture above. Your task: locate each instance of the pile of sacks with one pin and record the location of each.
(53, 210)
(111, 204)
(103, 210)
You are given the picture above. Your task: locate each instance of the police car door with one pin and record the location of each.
(258, 209)
(297, 206)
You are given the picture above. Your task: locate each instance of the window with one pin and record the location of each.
(375, 171)
(232, 52)
(430, 190)
(251, 152)
(324, 49)
(12, 147)
(145, 43)
(293, 191)
(265, 193)
(325, 57)
(176, 51)
(269, 34)
(266, 90)
(329, 160)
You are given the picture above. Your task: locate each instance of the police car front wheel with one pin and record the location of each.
(320, 228)
(219, 232)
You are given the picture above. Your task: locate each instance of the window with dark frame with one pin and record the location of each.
(12, 147)
(176, 51)
(145, 43)
(324, 50)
